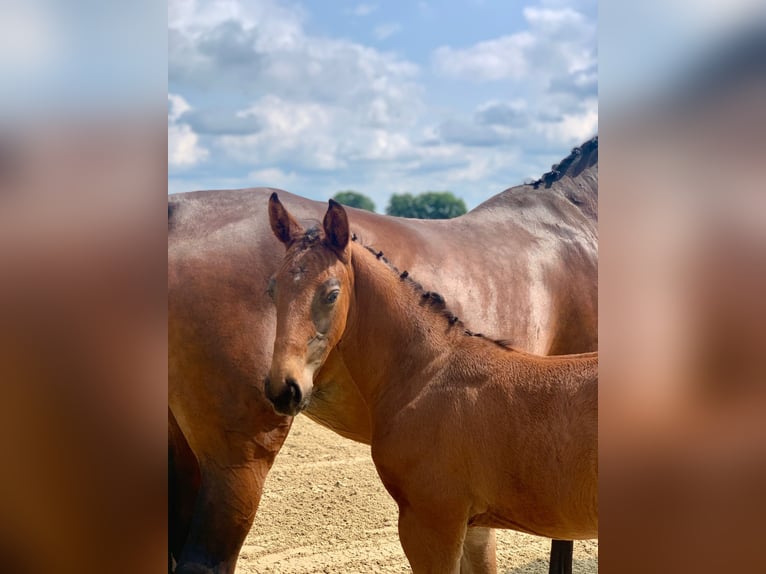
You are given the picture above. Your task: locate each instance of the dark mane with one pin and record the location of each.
(432, 299)
(580, 158)
(310, 237)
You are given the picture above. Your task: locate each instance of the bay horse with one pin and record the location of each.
(465, 431)
(524, 264)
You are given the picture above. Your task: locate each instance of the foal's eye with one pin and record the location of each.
(332, 297)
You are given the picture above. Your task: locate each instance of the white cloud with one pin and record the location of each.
(364, 9)
(502, 113)
(184, 149)
(556, 41)
(183, 146)
(552, 20)
(275, 56)
(551, 68)
(490, 60)
(297, 133)
(386, 30)
(314, 114)
(315, 136)
(271, 177)
(177, 106)
(279, 23)
(314, 102)
(573, 128)
(496, 124)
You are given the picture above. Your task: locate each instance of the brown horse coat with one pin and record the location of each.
(466, 432)
(523, 265)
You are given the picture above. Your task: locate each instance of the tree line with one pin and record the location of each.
(428, 205)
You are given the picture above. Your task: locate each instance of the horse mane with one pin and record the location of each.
(310, 237)
(579, 159)
(432, 299)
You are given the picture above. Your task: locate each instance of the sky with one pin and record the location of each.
(469, 96)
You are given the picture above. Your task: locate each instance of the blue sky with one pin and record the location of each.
(381, 97)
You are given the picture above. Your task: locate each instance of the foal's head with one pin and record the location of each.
(311, 291)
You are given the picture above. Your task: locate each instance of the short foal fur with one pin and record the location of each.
(466, 432)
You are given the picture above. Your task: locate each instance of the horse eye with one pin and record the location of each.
(333, 296)
(270, 288)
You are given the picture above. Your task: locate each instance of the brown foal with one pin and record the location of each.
(465, 431)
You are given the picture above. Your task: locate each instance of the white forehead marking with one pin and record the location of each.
(297, 273)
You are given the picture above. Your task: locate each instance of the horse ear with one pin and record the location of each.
(283, 224)
(336, 227)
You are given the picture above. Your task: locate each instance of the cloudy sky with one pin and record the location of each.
(315, 97)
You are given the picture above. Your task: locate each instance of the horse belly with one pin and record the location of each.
(540, 505)
(544, 524)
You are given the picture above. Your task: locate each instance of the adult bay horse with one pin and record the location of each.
(465, 431)
(522, 265)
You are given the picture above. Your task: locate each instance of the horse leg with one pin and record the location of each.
(432, 544)
(561, 557)
(479, 547)
(233, 468)
(223, 515)
(183, 486)
(175, 524)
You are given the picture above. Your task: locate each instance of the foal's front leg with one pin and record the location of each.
(433, 544)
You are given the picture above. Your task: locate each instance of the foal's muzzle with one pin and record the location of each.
(287, 399)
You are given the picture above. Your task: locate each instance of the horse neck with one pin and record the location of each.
(394, 346)
(391, 339)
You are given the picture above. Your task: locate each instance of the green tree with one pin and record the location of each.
(428, 205)
(354, 199)
(402, 205)
(440, 205)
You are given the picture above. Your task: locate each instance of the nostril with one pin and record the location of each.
(295, 391)
(286, 398)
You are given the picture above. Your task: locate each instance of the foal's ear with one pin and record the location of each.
(336, 227)
(283, 224)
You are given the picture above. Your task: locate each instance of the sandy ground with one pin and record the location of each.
(324, 510)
